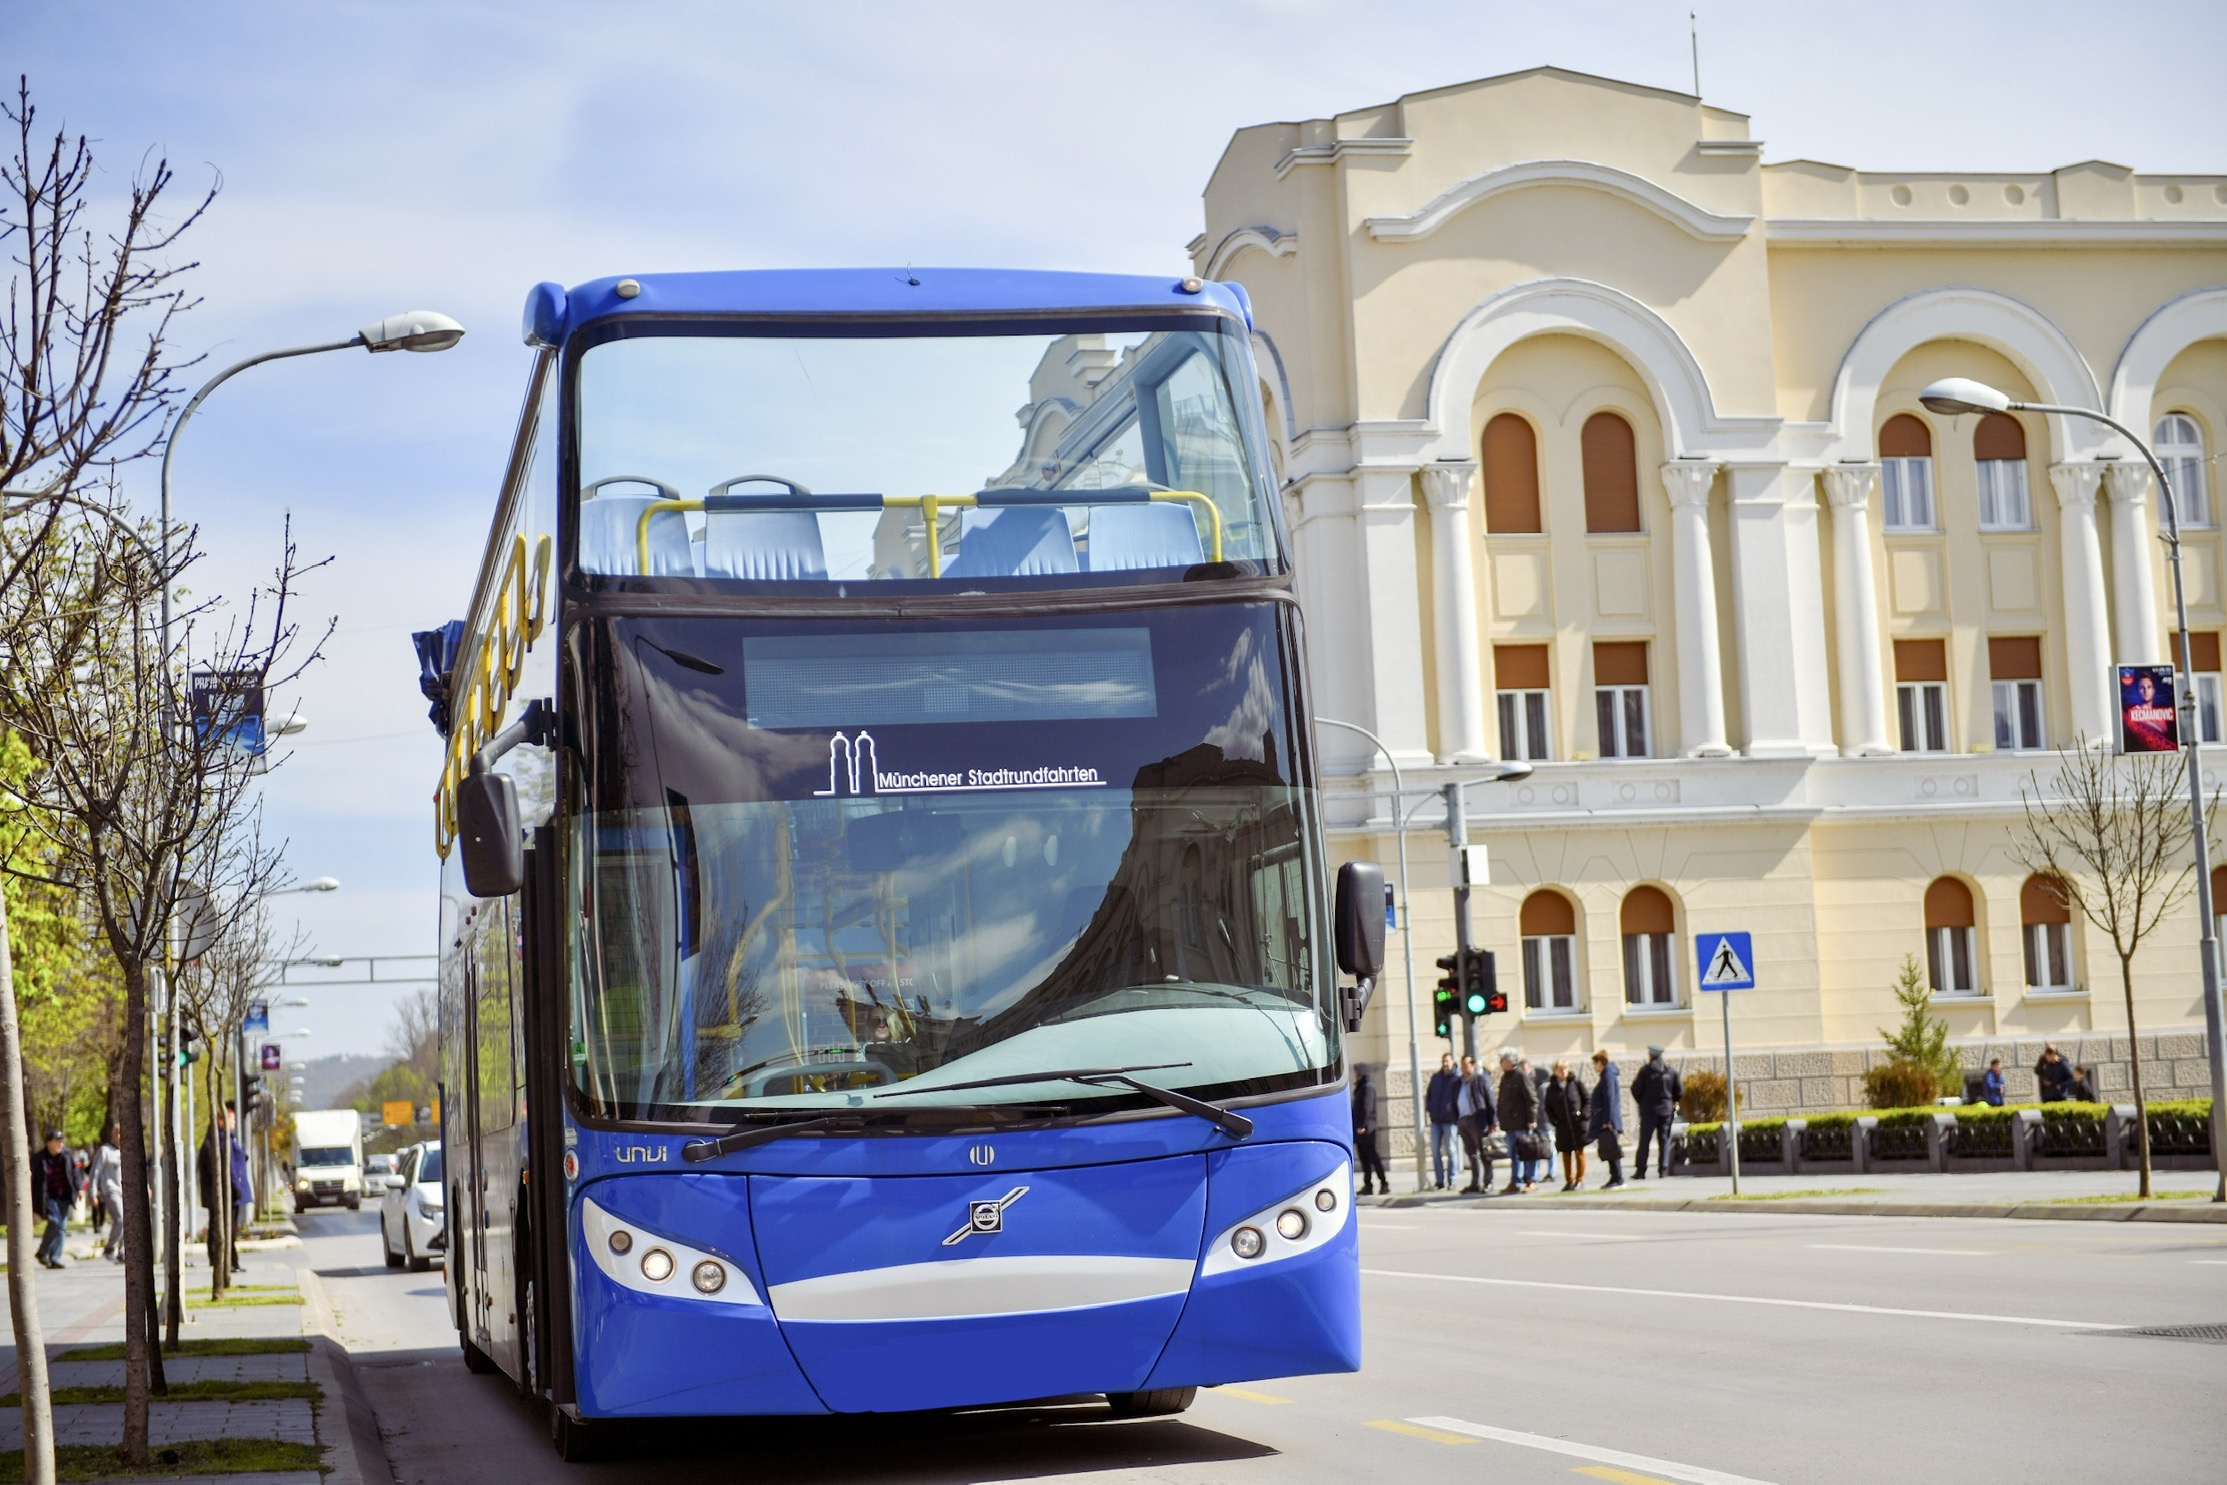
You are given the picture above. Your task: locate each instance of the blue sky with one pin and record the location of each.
(379, 157)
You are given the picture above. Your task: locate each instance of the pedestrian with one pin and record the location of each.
(108, 1190)
(1365, 1147)
(54, 1177)
(1519, 1120)
(1543, 1166)
(1567, 1114)
(215, 1187)
(2053, 1074)
(1443, 1100)
(2083, 1088)
(1991, 1083)
(1656, 1088)
(1607, 1123)
(1473, 1102)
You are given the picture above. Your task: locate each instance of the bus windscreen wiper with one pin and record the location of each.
(743, 1136)
(1233, 1124)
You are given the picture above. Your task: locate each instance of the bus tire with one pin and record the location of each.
(575, 1439)
(1160, 1402)
(476, 1361)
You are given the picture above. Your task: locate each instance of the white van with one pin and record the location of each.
(328, 1158)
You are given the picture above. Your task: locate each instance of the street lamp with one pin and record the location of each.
(1503, 772)
(1958, 394)
(314, 884)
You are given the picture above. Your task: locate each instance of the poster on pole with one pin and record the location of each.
(2148, 722)
(271, 1057)
(258, 1017)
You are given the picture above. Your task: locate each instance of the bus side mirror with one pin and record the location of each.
(1359, 925)
(487, 833)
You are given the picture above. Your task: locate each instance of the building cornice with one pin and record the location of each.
(1277, 242)
(1696, 220)
(1338, 149)
(1832, 232)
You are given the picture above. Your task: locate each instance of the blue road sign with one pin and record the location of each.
(1727, 960)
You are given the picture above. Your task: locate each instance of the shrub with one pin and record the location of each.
(1904, 1118)
(1981, 1113)
(1703, 1101)
(1831, 1121)
(1900, 1085)
(1922, 1038)
(2090, 1112)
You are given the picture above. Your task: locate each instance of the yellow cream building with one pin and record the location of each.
(1601, 446)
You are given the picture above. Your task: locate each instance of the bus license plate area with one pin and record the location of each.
(902, 1292)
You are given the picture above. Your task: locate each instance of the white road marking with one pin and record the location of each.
(2222, 1262)
(1591, 1237)
(1875, 1248)
(1747, 1299)
(1667, 1469)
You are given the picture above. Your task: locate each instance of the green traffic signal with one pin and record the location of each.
(1442, 1009)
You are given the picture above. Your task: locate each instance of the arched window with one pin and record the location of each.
(1549, 926)
(1650, 948)
(2046, 917)
(1611, 469)
(1511, 470)
(2179, 444)
(1999, 447)
(1906, 474)
(1950, 953)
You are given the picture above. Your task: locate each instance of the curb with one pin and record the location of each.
(358, 1456)
(2133, 1211)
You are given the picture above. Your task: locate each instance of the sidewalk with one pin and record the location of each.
(253, 1399)
(2184, 1195)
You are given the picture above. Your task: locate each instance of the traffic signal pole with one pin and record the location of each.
(1457, 839)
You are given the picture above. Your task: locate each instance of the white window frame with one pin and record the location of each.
(2178, 442)
(1621, 711)
(1651, 971)
(1550, 986)
(1533, 740)
(1906, 493)
(2005, 504)
(2049, 948)
(1952, 961)
(2019, 726)
(2210, 694)
(1922, 715)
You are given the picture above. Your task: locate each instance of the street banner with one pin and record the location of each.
(396, 1111)
(271, 1057)
(228, 705)
(258, 1017)
(2148, 722)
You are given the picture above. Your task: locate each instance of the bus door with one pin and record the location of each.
(473, 1251)
(545, 1329)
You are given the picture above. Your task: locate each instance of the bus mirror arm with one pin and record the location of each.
(1353, 1001)
(487, 809)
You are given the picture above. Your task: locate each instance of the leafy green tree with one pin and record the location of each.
(1922, 1040)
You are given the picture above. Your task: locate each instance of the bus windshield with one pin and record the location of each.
(826, 862)
(843, 456)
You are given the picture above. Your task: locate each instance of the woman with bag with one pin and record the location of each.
(1568, 1113)
(1607, 1122)
(1519, 1117)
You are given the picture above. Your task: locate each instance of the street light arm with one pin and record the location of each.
(2141, 446)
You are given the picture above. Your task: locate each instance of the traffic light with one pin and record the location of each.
(251, 1095)
(1445, 999)
(1480, 984)
(189, 1046)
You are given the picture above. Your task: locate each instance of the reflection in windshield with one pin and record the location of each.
(801, 952)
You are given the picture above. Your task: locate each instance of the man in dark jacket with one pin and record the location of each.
(1442, 1099)
(1519, 1118)
(1656, 1088)
(2054, 1074)
(1473, 1102)
(1607, 1124)
(1365, 1148)
(54, 1178)
(219, 1181)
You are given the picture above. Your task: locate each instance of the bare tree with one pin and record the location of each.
(2110, 834)
(85, 379)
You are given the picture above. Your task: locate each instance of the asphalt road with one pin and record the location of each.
(1516, 1342)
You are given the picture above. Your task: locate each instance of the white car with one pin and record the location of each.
(413, 1226)
(379, 1171)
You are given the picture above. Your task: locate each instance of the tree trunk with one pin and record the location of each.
(173, 1238)
(23, 1294)
(139, 1236)
(2134, 1056)
(218, 1192)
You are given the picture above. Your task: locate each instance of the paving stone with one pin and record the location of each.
(292, 1419)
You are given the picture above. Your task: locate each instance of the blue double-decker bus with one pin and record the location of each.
(889, 956)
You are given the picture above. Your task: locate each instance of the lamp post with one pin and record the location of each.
(1958, 394)
(1506, 771)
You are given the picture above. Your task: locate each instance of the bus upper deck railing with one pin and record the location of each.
(930, 507)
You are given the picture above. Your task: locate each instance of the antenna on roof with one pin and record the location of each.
(1694, 22)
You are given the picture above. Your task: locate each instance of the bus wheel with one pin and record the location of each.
(476, 1361)
(1160, 1402)
(576, 1439)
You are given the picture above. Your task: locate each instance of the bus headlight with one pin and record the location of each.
(1247, 1242)
(622, 1241)
(1284, 1229)
(657, 1265)
(1291, 1224)
(709, 1277)
(646, 1262)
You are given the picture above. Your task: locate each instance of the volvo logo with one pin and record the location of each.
(981, 1155)
(643, 1154)
(985, 1216)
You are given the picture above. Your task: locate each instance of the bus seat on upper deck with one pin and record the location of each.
(1126, 538)
(608, 524)
(1016, 541)
(779, 546)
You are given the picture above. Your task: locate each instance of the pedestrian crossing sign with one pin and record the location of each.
(1727, 960)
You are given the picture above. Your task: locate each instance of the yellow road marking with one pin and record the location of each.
(1436, 1436)
(1621, 1477)
(1259, 1397)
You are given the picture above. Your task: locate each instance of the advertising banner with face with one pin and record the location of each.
(2148, 722)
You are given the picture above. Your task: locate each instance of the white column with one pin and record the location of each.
(1694, 588)
(1385, 500)
(1856, 634)
(1461, 679)
(2138, 629)
(2087, 632)
(1778, 596)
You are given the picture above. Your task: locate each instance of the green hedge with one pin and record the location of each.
(2192, 1108)
(2093, 1111)
(1843, 1120)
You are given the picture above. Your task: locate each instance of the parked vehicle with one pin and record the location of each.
(413, 1226)
(380, 1172)
(328, 1158)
